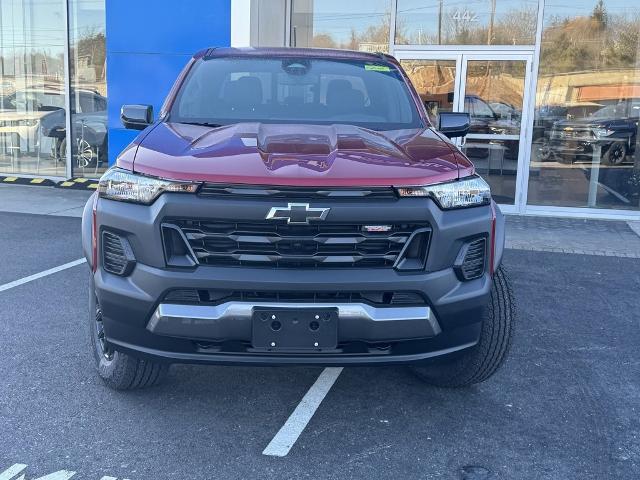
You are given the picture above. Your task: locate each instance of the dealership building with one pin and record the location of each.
(552, 87)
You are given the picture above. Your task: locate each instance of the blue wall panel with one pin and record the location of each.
(148, 43)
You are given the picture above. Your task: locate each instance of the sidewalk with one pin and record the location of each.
(613, 238)
(42, 200)
(547, 234)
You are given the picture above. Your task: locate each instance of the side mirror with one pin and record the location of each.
(454, 124)
(136, 117)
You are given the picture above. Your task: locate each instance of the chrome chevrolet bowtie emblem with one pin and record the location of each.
(299, 213)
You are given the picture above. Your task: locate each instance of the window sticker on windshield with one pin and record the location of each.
(377, 68)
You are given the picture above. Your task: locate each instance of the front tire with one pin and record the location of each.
(481, 361)
(119, 370)
(615, 154)
(62, 150)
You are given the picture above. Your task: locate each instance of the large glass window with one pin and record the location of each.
(473, 22)
(494, 97)
(32, 87)
(354, 25)
(88, 88)
(435, 82)
(585, 151)
(33, 92)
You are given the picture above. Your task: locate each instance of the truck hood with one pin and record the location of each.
(302, 155)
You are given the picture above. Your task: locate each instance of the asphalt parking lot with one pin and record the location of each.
(565, 406)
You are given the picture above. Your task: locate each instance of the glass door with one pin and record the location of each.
(436, 79)
(494, 90)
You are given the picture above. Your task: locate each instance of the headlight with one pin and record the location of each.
(602, 132)
(122, 185)
(468, 192)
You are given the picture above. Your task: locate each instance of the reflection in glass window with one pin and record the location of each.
(32, 92)
(355, 25)
(434, 80)
(585, 151)
(497, 162)
(494, 95)
(473, 22)
(88, 88)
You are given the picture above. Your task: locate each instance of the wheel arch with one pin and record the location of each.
(87, 226)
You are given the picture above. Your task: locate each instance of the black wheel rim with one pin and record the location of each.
(85, 154)
(101, 343)
(618, 154)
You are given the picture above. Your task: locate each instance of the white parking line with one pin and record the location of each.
(12, 474)
(298, 420)
(12, 471)
(36, 276)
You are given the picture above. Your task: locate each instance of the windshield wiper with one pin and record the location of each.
(202, 124)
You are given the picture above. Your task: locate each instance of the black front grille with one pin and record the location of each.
(573, 133)
(280, 245)
(216, 297)
(307, 193)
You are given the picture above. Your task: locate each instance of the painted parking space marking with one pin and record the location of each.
(17, 472)
(298, 420)
(36, 276)
(12, 474)
(12, 471)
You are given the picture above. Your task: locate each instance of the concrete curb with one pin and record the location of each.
(79, 183)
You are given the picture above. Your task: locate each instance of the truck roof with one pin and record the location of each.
(290, 52)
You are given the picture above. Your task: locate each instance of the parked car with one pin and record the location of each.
(90, 136)
(29, 114)
(290, 207)
(613, 129)
(21, 114)
(485, 120)
(20, 131)
(506, 110)
(544, 119)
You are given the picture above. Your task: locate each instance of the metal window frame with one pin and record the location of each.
(523, 179)
(392, 25)
(288, 12)
(67, 89)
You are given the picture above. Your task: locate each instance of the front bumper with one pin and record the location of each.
(571, 147)
(233, 320)
(139, 321)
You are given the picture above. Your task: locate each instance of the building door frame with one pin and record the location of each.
(526, 124)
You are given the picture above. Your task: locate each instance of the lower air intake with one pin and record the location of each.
(117, 256)
(471, 260)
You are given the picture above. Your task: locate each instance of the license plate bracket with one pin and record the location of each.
(294, 328)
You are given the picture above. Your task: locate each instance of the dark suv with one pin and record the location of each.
(611, 131)
(294, 206)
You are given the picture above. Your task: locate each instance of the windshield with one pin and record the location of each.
(223, 91)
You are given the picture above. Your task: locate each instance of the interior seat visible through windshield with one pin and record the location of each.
(228, 90)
